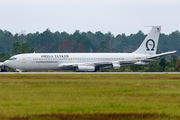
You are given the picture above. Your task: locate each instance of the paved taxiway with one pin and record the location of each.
(89, 72)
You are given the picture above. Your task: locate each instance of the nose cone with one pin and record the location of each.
(7, 63)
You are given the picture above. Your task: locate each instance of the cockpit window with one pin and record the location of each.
(12, 58)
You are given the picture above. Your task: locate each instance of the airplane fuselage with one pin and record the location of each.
(56, 61)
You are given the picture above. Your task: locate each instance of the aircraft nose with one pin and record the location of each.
(6, 63)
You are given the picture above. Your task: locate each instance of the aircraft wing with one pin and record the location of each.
(63, 65)
(96, 64)
(102, 63)
(67, 65)
(121, 63)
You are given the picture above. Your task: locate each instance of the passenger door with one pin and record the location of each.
(23, 61)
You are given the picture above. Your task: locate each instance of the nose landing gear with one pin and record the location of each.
(3, 69)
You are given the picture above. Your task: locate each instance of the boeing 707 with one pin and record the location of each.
(89, 62)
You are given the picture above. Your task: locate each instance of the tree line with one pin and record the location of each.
(79, 42)
(50, 42)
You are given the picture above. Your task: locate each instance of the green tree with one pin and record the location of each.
(16, 48)
(153, 67)
(178, 65)
(163, 63)
(24, 48)
(137, 68)
(6, 40)
(103, 46)
(4, 57)
(173, 59)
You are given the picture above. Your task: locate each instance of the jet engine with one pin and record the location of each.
(141, 63)
(85, 69)
(116, 66)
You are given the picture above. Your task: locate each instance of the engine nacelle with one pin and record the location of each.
(141, 63)
(85, 69)
(116, 66)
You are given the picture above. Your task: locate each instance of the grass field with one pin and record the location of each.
(88, 96)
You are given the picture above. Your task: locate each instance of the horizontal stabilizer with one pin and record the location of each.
(162, 54)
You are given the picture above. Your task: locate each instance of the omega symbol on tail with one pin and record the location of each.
(150, 44)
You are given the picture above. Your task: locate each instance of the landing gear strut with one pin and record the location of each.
(3, 69)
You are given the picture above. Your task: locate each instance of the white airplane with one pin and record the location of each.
(89, 62)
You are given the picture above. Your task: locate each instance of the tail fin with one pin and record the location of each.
(150, 43)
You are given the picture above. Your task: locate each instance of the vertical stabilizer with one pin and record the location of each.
(150, 43)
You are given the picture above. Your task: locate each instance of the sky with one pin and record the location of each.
(115, 16)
